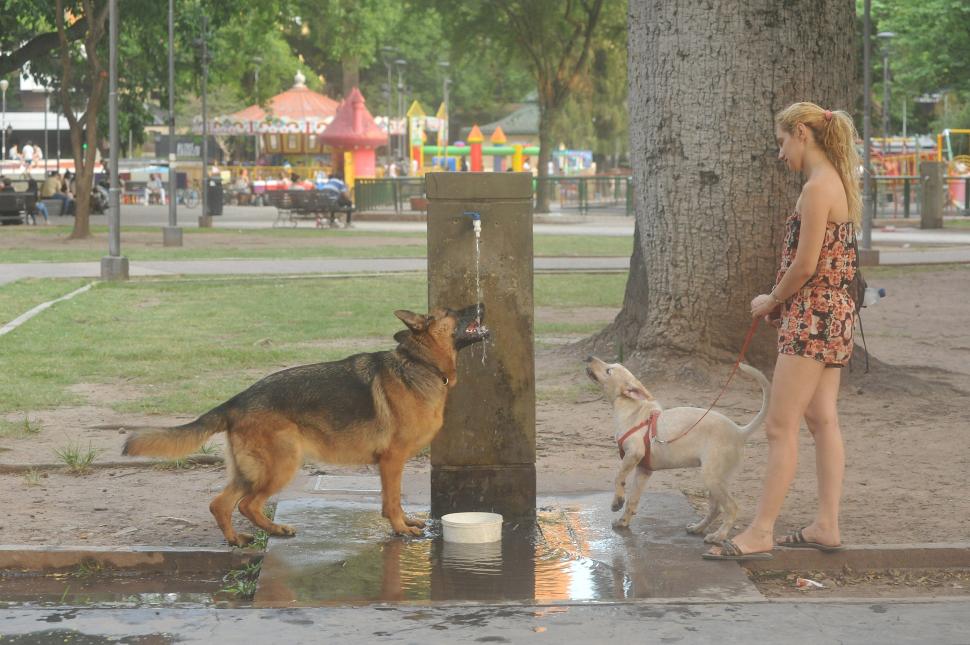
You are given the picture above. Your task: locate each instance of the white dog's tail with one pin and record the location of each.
(765, 391)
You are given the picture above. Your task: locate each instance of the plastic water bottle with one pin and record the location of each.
(872, 296)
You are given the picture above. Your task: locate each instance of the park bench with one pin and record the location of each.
(15, 206)
(294, 205)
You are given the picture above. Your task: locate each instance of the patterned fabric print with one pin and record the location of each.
(817, 321)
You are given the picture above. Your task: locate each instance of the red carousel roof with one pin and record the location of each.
(299, 103)
(353, 126)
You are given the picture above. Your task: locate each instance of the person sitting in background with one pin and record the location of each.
(241, 187)
(66, 193)
(7, 186)
(155, 188)
(27, 154)
(50, 186)
(335, 185)
(39, 206)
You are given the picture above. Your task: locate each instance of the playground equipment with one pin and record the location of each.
(958, 167)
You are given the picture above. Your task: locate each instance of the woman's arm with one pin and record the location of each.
(814, 218)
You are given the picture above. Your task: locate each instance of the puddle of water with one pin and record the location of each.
(115, 590)
(539, 560)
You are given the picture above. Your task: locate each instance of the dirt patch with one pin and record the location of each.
(848, 583)
(907, 456)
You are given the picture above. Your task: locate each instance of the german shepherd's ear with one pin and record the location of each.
(402, 335)
(415, 322)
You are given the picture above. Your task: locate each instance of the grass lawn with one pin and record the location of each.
(49, 244)
(185, 345)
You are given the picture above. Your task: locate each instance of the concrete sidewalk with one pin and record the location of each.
(352, 266)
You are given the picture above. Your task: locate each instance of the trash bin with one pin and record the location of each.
(213, 196)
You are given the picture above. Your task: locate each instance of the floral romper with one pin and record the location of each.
(817, 320)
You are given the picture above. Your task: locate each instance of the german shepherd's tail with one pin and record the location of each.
(178, 441)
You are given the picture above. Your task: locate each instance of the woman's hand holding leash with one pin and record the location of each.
(763, 305)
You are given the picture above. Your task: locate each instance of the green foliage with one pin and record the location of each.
(241, 583)
(18, 429)
(929, 54)
(77, 459)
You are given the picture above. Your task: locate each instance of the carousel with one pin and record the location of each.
(301, 131)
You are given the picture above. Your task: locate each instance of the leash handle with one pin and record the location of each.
(737, 364)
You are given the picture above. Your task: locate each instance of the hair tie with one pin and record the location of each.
(828, 115)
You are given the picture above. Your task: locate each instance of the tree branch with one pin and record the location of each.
(39, 46)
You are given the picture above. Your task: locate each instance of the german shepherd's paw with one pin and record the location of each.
(405, 530)
(617, 503)
(241, 540)
(283, 530)
(411, 521)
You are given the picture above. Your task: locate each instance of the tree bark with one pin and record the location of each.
(350, 72)
(83, 129)
(706, 79)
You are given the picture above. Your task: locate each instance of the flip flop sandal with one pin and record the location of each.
(731, 551)
(796, 540)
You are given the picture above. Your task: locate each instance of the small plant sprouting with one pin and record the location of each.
(32, 477)
(19, 429)
(78, 460)
(87, 568)
(241, 583)
(209, 449)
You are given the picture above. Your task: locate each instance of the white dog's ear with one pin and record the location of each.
(636, 393)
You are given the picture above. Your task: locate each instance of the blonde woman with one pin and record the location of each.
(814, 314)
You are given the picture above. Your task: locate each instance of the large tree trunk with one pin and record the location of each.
(545, 154)
(86, 126)
(706, 79)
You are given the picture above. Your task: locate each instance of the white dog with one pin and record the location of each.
(715, 444)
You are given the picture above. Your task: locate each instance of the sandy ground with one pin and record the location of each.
(907, 448)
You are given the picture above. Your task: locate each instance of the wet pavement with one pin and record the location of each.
(724, 623)
(343, 552)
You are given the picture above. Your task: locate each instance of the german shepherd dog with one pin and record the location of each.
(376, 408)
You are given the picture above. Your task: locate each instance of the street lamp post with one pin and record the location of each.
(113, 266)
(885, 36)
(257, 60)
(4, 84)
(401, 64)
(204, 46)
(172, 234)
(388, 52)
(867, 204)
(443, 126)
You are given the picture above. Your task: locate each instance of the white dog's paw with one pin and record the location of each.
(621, 524)
(696, 529)
(617, 503)
(715, 538)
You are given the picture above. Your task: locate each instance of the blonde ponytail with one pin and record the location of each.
(836, 134)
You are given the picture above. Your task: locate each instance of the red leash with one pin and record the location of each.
(737, 363)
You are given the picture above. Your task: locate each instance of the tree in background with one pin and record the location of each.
(82, 111)
(345, 32)
(552, 37)
(930, 55)
(711, 197)
(595, 116)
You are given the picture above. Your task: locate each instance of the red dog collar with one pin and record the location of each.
(648, 438)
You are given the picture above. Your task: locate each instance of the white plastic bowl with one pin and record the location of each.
(472, 528)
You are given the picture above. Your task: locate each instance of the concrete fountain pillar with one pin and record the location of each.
(484, 457)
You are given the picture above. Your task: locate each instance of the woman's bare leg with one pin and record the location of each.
(792, 388)
(822, 418)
